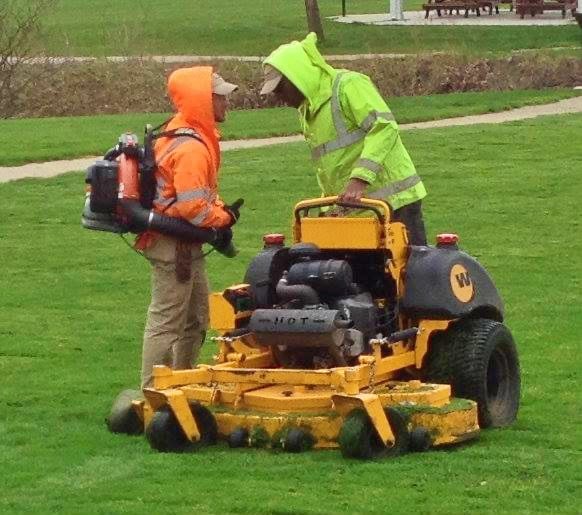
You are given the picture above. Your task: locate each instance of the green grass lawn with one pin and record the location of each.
(255, 27)
(62, 138)
(72, 313)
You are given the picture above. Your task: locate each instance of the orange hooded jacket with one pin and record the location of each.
(187, 169)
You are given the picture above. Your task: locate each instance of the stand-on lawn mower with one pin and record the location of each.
(348, 338)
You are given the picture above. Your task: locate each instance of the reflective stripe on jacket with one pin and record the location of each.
(348, 126)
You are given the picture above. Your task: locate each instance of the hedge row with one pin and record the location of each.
(138, 85)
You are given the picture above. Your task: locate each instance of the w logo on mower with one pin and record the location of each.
(463, 279)
(461, 283)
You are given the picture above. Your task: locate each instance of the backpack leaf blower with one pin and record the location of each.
(120, 193)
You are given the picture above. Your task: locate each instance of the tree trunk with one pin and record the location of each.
(314, 19)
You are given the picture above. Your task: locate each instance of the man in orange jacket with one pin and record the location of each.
(187, 188)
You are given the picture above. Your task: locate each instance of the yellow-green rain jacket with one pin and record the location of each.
(348, 126)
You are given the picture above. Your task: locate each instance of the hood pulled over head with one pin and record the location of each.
(302, 63)
(190, 90)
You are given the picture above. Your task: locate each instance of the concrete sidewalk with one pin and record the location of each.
(193, 59)
(53, 168)
(376, 19)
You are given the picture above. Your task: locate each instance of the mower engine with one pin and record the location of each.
(315, 315)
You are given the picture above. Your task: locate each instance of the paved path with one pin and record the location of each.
(177, 59)
(185, 59)
(53, 168)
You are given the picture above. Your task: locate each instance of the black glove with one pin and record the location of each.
(112, 154)
(223, 242)
(234, 210)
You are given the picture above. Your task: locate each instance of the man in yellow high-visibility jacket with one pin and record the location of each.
(354, 139)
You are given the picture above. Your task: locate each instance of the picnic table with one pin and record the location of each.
(533, 7)
(458, 5)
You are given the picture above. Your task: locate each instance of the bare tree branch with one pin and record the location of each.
(19, 32)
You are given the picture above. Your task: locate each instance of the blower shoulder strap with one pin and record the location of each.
(180, 131)
(181, 134)
(154, 133)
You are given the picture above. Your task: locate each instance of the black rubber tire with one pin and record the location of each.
(420, 439)
(358, 438)
(478, 358)
(298, 440)
(206, 424)
(164, 433)
(123, 418)
(238, 438)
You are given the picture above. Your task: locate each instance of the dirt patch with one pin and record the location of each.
(138, 85)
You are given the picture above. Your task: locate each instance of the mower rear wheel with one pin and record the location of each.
(478, 358)
(165, 434)
(358, 437)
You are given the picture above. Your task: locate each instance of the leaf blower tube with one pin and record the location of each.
(140, 219)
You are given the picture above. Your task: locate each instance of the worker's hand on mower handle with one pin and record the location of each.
(354, 191)
(234, 210)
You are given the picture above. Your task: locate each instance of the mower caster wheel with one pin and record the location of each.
(298, 440)
(420, 439)
(238, 438)
(165, 434)
(358, 437)
(206, 424)
(123, 418)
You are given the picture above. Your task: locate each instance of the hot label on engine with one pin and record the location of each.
(290, 320)
(293, 320)
(461, 283)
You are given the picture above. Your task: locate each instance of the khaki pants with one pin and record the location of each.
(177, 318)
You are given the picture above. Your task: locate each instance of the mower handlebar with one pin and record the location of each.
(380, 208)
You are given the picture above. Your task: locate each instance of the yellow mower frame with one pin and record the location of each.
(246, 391)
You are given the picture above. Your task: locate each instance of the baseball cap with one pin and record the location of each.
(221, 87)
(271, 79)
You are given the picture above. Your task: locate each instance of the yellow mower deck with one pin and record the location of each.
(266, 402)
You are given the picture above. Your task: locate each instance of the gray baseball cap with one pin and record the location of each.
(272, 77)
(221, 87)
